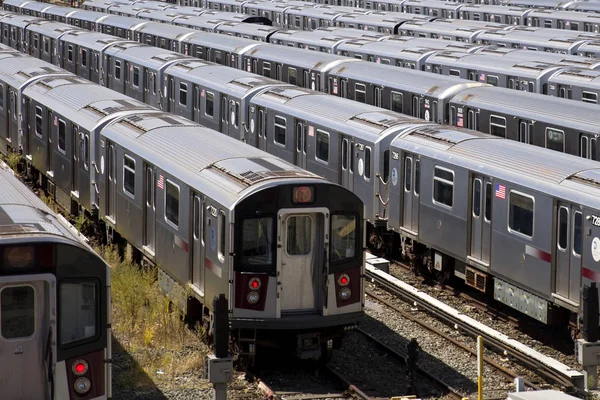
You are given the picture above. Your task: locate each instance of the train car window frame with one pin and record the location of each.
(492, 80)
(367, 174)
(386, 166)
(589, 97)
(84, 58)
(210, 104)
(510, 223)
(1, 96)
(408, 172)
(453, 72)
(129, 175)
(96, 313)
(476, 198)
(39, 121)
(442, 181)
(298, 249)
(168, 212)
(397, 101)
(343, 243)
(576, 243)
(136, 77)
(278, 134)
(85, 149)
(34, 314)
(265, 233)
(360, 88)
(183, 94)
(266, 67)
(117, 75)
(553, 131)
(495, 122)
(487, 212)
(562, 228)
(222, 235)
(292, 76)
(35, 41)
(322, 152)
(62, 136)
(70, 53)
(417, 183)
(345, 154)
(198, 218)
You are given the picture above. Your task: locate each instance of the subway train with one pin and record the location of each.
(420, 182)
(216, 215)
(55, 335)
(526, 117)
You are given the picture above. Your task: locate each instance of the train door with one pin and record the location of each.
(481, 215)
(198, 242)
(301, 145)
(111, 186)
(75, 166)
(27, 318)
(525, 132)
(223, 111)
(410, 192)
(13, 122)
(150, 208)
(301, 240)
(569, 240)
(234, 116)
(347, 164)
(49, 146)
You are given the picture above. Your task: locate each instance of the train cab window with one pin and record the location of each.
(322, 151)
(84, 58)
(17, 313)
(497, 126)
(417, 177)
(292, 76)
(62, 136)
(280, 127)
(343, 237)
(563, 228)
(38, 121)
(210, 104)
(81, 299)
(367, 163)
(299, 233)
(183, 94)
(555, 139)
(577, 228)
(172, 203)
(70, 53)
(118, 70)
(136, 76)
(257, 242)
(488, 202)
(129, 175)
(222, 235)
(520, 214)
(360, 93)
(397, 102)
(443, 186)
(589, 97)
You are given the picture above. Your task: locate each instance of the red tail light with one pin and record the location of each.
(251, 291)
(347, 287)
(80, 367)
(254, 284)
(343, 280)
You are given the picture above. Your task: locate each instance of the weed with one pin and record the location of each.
(13, 160)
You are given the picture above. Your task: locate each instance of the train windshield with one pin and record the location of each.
(257, 242)
(343, 237)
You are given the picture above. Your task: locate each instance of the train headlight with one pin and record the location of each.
(254, 283)
(80, 367)
(253, 297)
(19, 257)
(345, 293)
(343, 280)
(82, 385)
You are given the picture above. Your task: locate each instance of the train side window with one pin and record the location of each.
(454, 72)
(343, 237)
(521, 214)
(367, 163)
(183, 94)
(408, 174)
(62, 136)
(118, 70)
(488, 202)
(589, 97)
(577, 227)
(360, 93)
(555, 139)
(563, 228)
(443, 186)
(84, 58)
(172, 203)
(129, 175)
(477, 198)
(498, 126)
(222, 235)
(210, 104)
(17, 315)
(38, 121)
(397, 102)
(266, 69)
(136, 76)
(280, 127)
(322, 152)
(70, 53)
(492, 80)
(81, 299)
(345, 154)
(292, 76)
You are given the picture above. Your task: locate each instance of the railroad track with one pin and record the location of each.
(412, 296)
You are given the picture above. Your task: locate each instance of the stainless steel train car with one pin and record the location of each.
(55, 335)
(217, 215)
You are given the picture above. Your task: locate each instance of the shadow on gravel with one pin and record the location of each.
(130, 381)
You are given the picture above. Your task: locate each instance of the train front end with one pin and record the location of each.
(298, 267)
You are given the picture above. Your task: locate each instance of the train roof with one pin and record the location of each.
(540, 56)
(313, 60)
(577, 77)
(232, 44)
(126, 23)
(245, 29)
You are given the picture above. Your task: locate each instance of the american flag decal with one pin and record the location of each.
(500, 191)
(459, 121)
(161, 182)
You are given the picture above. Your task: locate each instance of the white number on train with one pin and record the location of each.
(595, 220)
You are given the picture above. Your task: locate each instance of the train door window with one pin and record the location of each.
(35, 41)
(129, 175)
(476, 198)
(386, 166)
(322, 151)
(118, 70)
(6, 31)
(292, 75)
(183, 94)
(280, 127)
(299, 232)
(222, 235)
(13, 103)
(397, 102)
(38, 121)
(472, 76)
(563, 228)
(84, 58)
(454, 72)
(297, 22)
(172, 204)
(70, 53)
(574, 26)
(345, 154)
(583, 147)
(443, 186)
(86, 151)
(497, 126)
(547, 23)
(417, 190)
(521, 214)
(197, 217)
(377, 96)
(492, 80)
(593, 151)
(488, 202)
(367, 163)
(210, 104)
(14, 34)
(17, 315)
(555, 139)
(136, 76)
(408, 174)
(531, 88)
(360, 93)
(218, 57)
(81, 299)
(199, 53)
(577, 238)
(1, 96)
(344, 89)
(266, 69)
(589, 97)
(62, 136)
